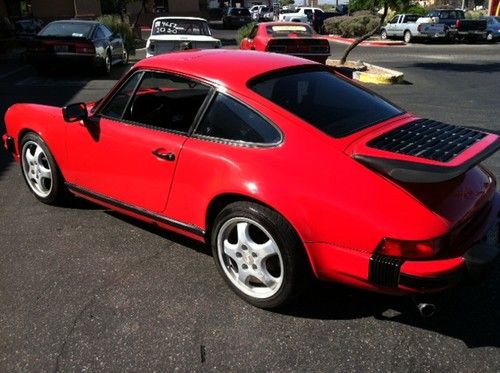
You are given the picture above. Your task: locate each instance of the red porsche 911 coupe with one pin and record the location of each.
(285, 168)
(293, 38)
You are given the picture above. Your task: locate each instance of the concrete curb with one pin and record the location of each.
(383, 76)
(370, 74)
(366, 43)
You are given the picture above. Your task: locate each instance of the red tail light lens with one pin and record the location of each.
(410, 249)
(458, 24)
(85, 48)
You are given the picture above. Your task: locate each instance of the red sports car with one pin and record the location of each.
(297, 39)
(284, 167)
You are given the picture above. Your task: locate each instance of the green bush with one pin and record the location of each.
(353, 26)
(475, 14)
(415, 9)
(243, 32)
(124, 28)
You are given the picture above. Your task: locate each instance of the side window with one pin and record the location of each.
(253, 33)
(99, 34)
(394, 20)
(107, 33)
(166, 102)
(116, 107)
(229, 120)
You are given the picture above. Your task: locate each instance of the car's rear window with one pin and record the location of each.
(239, 12)
(67, 29)
(172, 26)
(285, 30)
(326, 101)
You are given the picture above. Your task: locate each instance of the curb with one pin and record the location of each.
(366, 43)
(374, 74)
(387, 76)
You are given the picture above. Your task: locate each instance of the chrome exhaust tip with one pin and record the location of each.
(426, 309)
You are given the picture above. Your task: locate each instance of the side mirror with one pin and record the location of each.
(75, 112)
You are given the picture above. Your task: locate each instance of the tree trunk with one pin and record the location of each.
(143, 8)
(366, 36)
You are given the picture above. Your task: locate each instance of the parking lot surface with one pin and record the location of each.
(85, 289)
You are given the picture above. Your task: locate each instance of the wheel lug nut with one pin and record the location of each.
(254, 266)
(244, 266)
(254, 255)
(238, 255)
(243, 247)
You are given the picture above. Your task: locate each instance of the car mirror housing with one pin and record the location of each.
(75, 112)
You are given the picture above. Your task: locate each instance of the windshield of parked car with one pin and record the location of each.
(285, 30)
(179, 26)
(67, 29)
(326, 101)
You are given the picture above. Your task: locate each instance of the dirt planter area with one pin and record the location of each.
(366, 72)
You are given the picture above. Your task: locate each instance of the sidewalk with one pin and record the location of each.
(371, 42)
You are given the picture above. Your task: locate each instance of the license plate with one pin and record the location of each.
(492, 235)
(60, 48)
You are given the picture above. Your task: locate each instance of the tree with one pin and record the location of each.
(286, 2)
(372, 5)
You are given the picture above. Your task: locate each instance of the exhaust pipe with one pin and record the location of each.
(426, 309)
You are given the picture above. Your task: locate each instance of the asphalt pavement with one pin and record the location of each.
(85, 289)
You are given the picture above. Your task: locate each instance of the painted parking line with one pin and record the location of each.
(12, 72)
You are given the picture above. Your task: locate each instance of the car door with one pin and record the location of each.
(390, 28)
(129, 149)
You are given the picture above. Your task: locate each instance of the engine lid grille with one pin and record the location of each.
(428, 139)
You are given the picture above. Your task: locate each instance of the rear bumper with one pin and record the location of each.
(397, 276)
(62, 59)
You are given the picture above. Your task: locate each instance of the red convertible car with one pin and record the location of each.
(284, 167)
(296, 39)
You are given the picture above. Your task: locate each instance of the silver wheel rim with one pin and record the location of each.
(383, 35)
(407, 37)
(108, 63)
(489, 36)
(36, 169)
(125, 56)
(250, 257)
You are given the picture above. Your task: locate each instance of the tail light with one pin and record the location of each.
(86, 48)
(410, 249)
(458, 24)
(419, 27)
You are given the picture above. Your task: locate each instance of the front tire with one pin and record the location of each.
(489, 37)
(41, 172)
(383, 35)
(259, 255)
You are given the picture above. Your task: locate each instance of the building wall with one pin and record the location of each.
(183, 7)
(64, 9)
(3, 9)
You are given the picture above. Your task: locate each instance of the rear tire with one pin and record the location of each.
(259, 255)
(489, 37)
(40, 171)
(407, 37)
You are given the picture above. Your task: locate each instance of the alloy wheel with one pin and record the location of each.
(36, 169)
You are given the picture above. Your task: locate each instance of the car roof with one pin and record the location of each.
(76, 21)
(229, 68)
(186, 18)
(279, 23)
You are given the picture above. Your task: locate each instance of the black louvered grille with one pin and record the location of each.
(384, 271)
(428, 139)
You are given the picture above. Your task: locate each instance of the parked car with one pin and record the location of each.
(283, 167)
(79, 43)
(492, 28)
(170, 34)
(409, 27)
(297, 39)
(458, 27)
(26, 29)
(236, 17)
(302, 14)
(318, 19)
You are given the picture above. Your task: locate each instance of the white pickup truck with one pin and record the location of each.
(302, 14)
(412, 26)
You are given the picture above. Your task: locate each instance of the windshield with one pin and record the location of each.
(285, 30)
(67, 29)
(173, 26)
(326, 101)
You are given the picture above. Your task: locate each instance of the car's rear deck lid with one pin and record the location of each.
(424, 150)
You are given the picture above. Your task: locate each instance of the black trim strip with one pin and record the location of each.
(11, 146)
(431, 283)
(384, 270)
(137, 210)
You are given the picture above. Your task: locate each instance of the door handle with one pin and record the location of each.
(163, 154)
